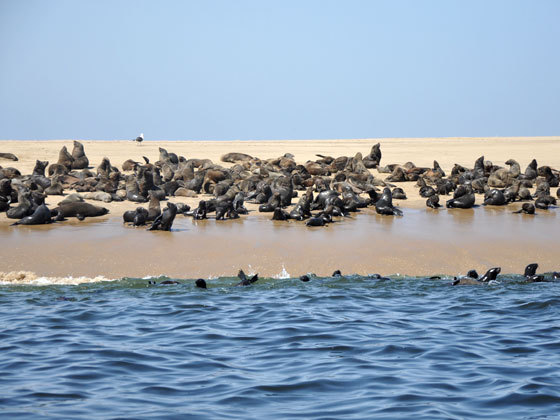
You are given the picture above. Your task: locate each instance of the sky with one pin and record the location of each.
(301, 69)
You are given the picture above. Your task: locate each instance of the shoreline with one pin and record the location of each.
(422, 242)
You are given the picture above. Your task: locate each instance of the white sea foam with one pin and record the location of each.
(283, 274)
(28, 277)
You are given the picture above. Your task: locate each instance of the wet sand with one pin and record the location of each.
(420, 243)
(423, 242)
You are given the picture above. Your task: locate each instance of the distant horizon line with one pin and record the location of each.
(313, 139)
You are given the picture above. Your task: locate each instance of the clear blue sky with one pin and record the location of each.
(278, 69)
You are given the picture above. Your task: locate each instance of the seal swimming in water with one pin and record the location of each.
(384, 205)
(472, 277)
(246, 281)
(530, 275)
(165, 220)
(201, 283)
(490, 275)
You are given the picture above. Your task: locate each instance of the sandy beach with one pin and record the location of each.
(422, 242)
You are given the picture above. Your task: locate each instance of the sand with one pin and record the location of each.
(422, 242)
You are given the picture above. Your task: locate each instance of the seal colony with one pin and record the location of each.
(316, 192)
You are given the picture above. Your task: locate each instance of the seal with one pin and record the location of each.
(280, 214)
(433, 202)
(165, 220)
(530, 275)
(526, 208)
(80, 159)
(25, 205)
(462, 199)
(200, 283)
(246, 281)
(9, 156)
(40, 216)
(384, 205)
(79, 209)
(490, 275)
(472, 277)
(494, 198)
(236, 157)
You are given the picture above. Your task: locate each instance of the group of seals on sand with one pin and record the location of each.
(28, 192)
(325, 188)
(499, 185)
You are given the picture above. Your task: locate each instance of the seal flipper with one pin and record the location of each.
(80, 216)
(156, 223)
(244, 280)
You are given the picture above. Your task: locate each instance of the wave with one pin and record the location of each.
(31, 278)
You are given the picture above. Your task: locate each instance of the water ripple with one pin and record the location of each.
(352, 347)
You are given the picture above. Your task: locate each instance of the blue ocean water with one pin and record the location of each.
(349, 347)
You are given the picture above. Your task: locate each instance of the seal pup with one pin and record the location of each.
(165, 220)
(526, 208)
(433, 202)
(384, 205)
(246, 281)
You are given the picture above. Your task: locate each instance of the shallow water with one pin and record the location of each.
(350, 347)
(422, 242)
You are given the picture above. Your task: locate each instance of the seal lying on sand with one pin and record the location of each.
(235, 157)
(462, 199)
(9, 156)
(40, 216)
(79, 209)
